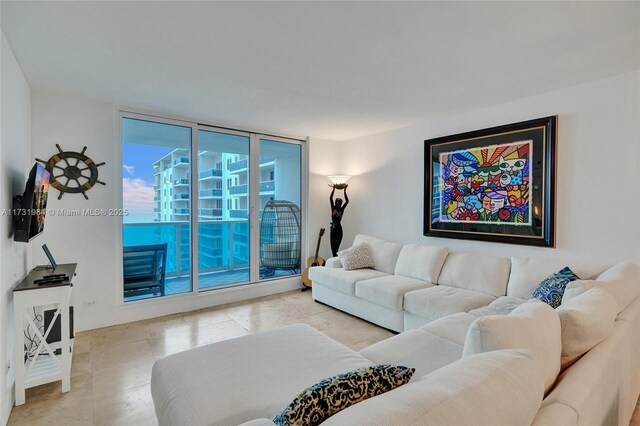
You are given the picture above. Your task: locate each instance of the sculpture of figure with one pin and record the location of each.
(337, 210)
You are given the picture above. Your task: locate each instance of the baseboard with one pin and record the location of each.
(137, 311)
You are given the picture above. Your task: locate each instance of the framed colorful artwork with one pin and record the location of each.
(495, 184)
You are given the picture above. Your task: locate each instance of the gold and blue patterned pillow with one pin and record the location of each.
(551, 289)
(329, 396)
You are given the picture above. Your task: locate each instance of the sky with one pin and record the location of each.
(138, 180)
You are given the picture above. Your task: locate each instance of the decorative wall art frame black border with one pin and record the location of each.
(496, 184)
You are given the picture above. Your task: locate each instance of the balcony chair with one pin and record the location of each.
(144, 269)
(280, 238)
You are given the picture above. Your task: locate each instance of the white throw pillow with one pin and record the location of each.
(497, 388)
(622, 282)
(356, 257)
(533, 325)
(586, 320)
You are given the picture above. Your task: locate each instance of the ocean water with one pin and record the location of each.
(220, 245)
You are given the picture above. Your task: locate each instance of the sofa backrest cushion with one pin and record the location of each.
(478, 272)
(622, 282)
(527, 273)
(627, 271)
(533, 325)
(384, 253)
(497, 388)
(586, 320)
(421, 262)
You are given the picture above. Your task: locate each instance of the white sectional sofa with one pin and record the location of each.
(412, 285)
(483, 352)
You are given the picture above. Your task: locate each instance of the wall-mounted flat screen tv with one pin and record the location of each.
(30, 208)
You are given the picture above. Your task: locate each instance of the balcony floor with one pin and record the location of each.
(207, 280)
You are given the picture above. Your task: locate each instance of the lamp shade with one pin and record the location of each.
(339, 179)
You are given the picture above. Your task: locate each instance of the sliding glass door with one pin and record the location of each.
(280, 213)
(242, 189)
(156, 233)
(223, 206)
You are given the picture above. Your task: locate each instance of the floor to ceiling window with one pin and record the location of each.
(242, 189)
(223, 202)
(156, 232)
(280, 219)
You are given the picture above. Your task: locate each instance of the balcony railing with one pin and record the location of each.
(267, 186)
(210, 212)
(204, 193)
(215, 244)
(238, 165)
(240, 213)
(181, 211)
(180, 196)
(181, 160)
(238, 189)
(210, 173)
(178, 182)
(242, 164)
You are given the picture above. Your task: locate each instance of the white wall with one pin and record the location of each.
(15, 163)
(93, 242)
(597, 172)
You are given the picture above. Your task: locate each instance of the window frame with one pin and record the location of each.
(254, 199)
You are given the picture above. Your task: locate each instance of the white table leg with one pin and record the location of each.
(66, 354)
(18, 349)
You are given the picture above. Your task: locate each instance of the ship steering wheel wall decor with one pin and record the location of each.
(78, 172)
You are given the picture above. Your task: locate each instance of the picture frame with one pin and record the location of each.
(496, 184)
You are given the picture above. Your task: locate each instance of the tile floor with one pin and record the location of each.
(112, 366)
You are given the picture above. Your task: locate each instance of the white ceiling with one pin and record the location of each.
(335, 70)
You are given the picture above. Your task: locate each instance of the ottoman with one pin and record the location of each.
(246, 378)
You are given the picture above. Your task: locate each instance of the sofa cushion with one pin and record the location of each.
(453, 328)
(232, 381)
(627, 271)
(622, 282)
(586, 320)
(421, 262)
(533, 325)
(441, 300)
(551, 289)
(356, 257)
(331, 395)
(384, 253)
(388, 291)
(501, 306)
(340, 280)
(527, 273)
(332, 262)
(497, 388)
(478, 272)
(422, 350)
(259, 422)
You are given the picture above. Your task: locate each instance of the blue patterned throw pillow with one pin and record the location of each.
(551, 289)
(329, 396)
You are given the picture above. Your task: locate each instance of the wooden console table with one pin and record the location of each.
(45, 365)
